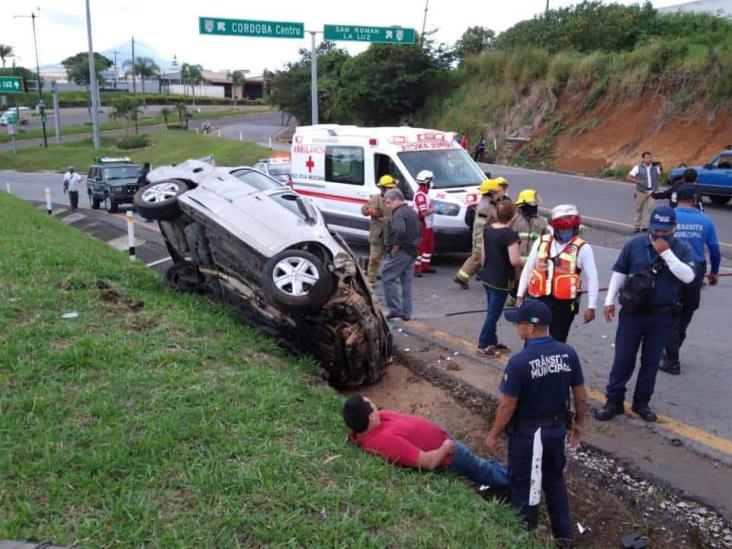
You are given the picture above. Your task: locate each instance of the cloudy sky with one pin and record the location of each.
(171, 27)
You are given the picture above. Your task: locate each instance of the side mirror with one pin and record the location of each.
(708, 166)
(487, 175)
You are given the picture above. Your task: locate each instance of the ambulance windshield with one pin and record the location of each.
(452, 167)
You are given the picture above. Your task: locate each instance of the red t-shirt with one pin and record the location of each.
(400, 437)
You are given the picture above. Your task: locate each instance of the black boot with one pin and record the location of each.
(609, 411)
(670, 361)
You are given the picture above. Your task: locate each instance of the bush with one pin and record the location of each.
(134, 142)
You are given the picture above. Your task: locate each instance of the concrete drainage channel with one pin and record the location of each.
(667, 503)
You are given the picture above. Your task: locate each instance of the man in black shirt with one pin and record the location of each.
(404, 237)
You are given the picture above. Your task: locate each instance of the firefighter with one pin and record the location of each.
(529, 225)
(379, 230)
(503, 183)
(554, 270)
(485, 214)
(426, 213)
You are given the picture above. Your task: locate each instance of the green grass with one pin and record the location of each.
(168, 147)
(144, 121)
(172, 424)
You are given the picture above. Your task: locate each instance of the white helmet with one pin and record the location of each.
(425, 177)
(564, 210)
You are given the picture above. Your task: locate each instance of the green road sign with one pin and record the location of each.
(11, 84)
(244, 27)
(362, 33)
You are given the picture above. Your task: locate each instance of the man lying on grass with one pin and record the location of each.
(415, 442)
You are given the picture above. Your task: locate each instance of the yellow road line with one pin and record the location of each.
(687, 431)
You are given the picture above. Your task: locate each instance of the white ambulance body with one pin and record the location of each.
(339, 166)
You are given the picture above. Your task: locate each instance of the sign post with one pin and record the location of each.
(364, 33)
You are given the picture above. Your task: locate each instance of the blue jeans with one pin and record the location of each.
(496, 300)
(520, 456)
(482, 471)
(650, 334)
(398, 267)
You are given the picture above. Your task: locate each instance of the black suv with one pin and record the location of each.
(112, 181)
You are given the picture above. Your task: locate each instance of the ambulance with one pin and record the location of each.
(338, 167)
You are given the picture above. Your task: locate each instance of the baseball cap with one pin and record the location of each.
(663, 218)
(685, 192)
(532, 311)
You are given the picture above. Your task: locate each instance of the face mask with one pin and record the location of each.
(528, 210)
(564, 236)
(667, 237)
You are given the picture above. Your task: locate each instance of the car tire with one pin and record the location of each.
(185, 277)
(719, 199)
(110, 204)
(93, 202)
(297, 281)
(159, 201)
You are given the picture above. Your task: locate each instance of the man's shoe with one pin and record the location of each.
(460, 282)
(670, 368)
(501, 348)
(636, 231)
(609, 411)
(644, 230)
(670, 361)
(417, 274)
(407, 318)
(644, 412)
(392, 315)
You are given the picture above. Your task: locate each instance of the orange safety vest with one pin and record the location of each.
(557, 276)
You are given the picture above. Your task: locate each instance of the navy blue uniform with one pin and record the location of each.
(540, 377)
(649, 329)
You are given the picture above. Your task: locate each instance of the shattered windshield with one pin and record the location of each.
(452, 167)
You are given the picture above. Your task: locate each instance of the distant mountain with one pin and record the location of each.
(124, 52)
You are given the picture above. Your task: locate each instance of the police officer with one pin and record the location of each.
(379, 229)
(555, 269)
(696, 229)
(649, 273)
(534, 410)
(689, 177)
(485, 214)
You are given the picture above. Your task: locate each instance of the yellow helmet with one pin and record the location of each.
(387, 181)
(488, 186)
(502, 181)
(528, 196)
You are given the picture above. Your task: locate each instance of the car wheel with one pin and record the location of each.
(297, 281)
(159, 201)
(719, 199)
(94, 202)
(110, 204)
(184, 276)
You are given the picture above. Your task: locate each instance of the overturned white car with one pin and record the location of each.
(245, 239)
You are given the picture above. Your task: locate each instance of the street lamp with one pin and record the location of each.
(41, 103)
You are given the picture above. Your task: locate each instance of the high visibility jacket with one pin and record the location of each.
(528, 229)
(557, 276)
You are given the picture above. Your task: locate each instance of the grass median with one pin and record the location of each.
(170, 146)
(155, 418)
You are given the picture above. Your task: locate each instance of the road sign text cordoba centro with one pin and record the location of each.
(366, 33)
(11, 84)
(245, 27)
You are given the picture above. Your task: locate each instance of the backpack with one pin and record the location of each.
(636, 291)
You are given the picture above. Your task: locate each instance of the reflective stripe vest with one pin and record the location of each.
(528, 229)
(557, 276)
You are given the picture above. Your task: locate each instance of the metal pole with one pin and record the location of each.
(92, 79)
(424, 21)
(313, 80)
(40, 84)
(134, 87)
(56, 112)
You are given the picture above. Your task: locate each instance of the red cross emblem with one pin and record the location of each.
(310, 164)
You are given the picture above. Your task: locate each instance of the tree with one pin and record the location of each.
(127, 108)
(5, 51)
(473, 41)
(183, 115)
(165, 112)
(237, 79)
(193, 75)
(145, 67)
(77, 67)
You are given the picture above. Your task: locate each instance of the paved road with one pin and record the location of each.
(599, 199)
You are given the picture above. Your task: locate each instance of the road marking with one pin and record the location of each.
(694, 434)
(159, 261)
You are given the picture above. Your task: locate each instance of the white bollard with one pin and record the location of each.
(241, 137)
(270, 142)
(131, 234)
(218, 133)
(7, 187)
(196, 131)
(49, 208)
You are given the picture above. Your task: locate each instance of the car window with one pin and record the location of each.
(452, 167)
(344, 165)
(723, 162)
(384, 165)
(293, 203)
(121, 172)
(257, 180)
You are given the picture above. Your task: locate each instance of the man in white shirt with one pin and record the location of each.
(645, 176)
(72, 180)
(555, 268)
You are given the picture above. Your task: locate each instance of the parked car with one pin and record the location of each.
(715, 177)
(243, 238)
(11, 116)
(278, 167)
(112, 181)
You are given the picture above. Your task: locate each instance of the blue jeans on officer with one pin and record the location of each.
(650, 333)
(520, 457)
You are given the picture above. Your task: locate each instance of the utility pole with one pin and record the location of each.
(547, 7)
(424, 21)
(313, 79)
(116, 71)
(41, 103)
(93, 80)
(134, 88)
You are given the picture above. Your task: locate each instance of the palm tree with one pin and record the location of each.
(127, 108)
(193, 75)
(145, 67)
(165, 112)
(237, 79)
(183, 115)
(5, 51)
